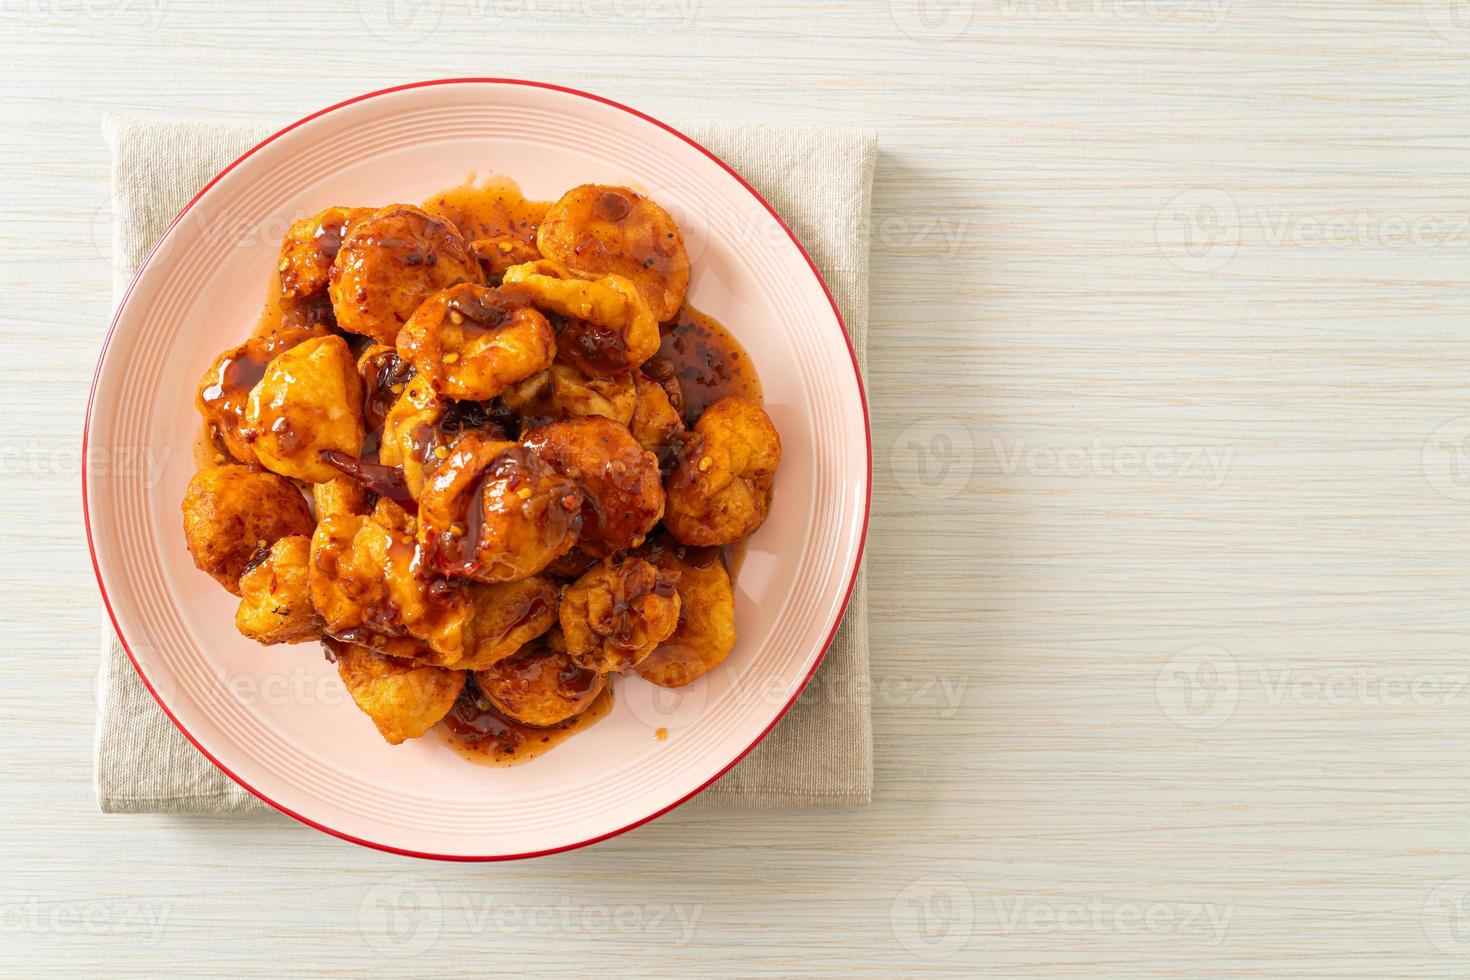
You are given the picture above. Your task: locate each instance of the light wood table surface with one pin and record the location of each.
(1170, 377)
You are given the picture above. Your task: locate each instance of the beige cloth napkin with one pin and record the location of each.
(818, 178)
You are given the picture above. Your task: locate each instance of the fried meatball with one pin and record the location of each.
(472, 343)
(620, 479)
(389, 263)
(706, 632)
(617, 613)
(231, 512)
(309, 401)
(309, 248)
(225, 388)
(596, 229)
(404, 700)
(720, 489)
(275, 596)
(509, 615)
(495, 512)
(540, 686)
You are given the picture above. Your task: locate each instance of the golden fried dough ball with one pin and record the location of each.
(500, 252)
(404, 700)
(655, 420)
(365, 584)
(309, 401)
(621, 481)
(611, 328)
(389, 263)
(616, 614)
(309, 248)
(540, 686)
(275, 596)
(231, 512)
(509, 615)
(225, 388)
(495, 512)
(706, 632)
(340, 495)
(471, 342)
(596, 229)
(720, 489)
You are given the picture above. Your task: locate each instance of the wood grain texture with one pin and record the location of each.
(1167, 563)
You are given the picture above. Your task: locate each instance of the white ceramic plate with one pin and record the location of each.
(277, 719)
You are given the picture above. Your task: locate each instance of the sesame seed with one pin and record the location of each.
(451, 357)
(441, 452)
(456, 317)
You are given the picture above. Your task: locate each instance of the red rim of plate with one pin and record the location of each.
(847, 597)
